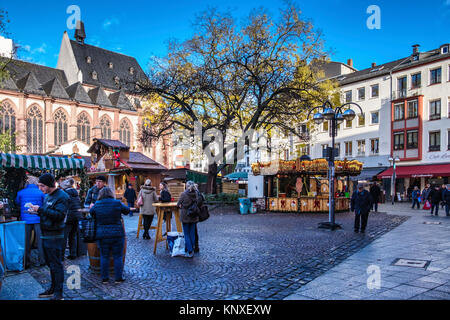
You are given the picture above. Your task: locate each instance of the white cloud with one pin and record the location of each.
(110, 22)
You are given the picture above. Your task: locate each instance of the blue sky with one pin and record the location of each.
(141, 28)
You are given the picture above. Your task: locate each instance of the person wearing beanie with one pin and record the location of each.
(92, 194)
(360, 204)
(73, 217)
(52, 214)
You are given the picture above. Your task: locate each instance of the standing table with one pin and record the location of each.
(160, 208)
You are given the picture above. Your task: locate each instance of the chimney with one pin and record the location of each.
(80, 34)
(374, 64)
(350, 62)
(416, 48)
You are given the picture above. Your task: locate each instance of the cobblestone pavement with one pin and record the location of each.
(259, 256)
(422, 237)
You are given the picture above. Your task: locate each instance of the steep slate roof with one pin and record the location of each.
(100, 59)
(55, 89)
(9, 84)
(77, 92)
(98, 96)
(119, 100)
(30, 84)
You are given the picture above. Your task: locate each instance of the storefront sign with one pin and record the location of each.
(438, 156)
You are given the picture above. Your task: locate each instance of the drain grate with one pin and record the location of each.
(434, 222)
(414, 263)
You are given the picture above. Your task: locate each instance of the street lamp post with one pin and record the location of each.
(334, 116)
(393, 162)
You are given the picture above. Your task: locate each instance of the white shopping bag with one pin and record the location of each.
(179, 247)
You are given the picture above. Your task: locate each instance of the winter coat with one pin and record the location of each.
(149, 197)
(91, 196)
(130, 195)
(435, 196)
(415, 194)
(108, 214)
(186, 200)
(31, 194)
(361, 201)
(53, 213)
(73, 214)
(446, 196)
(426, 193)
(375, 192)
(165, 196)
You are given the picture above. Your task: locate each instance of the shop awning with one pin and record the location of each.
(367, 174)
(10, 160)
(434, 170)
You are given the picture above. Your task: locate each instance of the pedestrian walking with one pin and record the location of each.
(110, 233)
(52, 214)
(73, 218)
(435, 198)
(443, 188)
(189, 203)
(130, 196)
(447, 200)
(415, 197)
(31, 195)
(147, 210)
(360, 204)
(425, 193)
(92, 194)
(375, 192)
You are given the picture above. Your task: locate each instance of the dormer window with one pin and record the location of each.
(131, 70)
(444, 49)
(88, 59)
(116, 80)
(110, 65)
(94, 75)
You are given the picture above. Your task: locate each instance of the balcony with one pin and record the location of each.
(406, 93)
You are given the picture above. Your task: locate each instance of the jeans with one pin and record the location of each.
(435, 205)
(447, 209)
(196, 237)
(147, 222)
(116, 246)
(189, 236)
(37, 231)
(70, 232)
(416, 201)
(362, 217)
(53, 258)
(130, 205)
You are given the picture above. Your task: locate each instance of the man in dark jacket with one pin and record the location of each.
(73, 217)
(52, 214)
(31, 195)
(435, 198)
(375, 192)
(92, 194)
(130, 196)
(360, 204)
(446, 200)
(415, 197)
(426, 192)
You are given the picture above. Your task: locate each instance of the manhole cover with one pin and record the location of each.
(415, 263)
(434, 222)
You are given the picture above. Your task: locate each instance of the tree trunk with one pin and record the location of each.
(211, 186)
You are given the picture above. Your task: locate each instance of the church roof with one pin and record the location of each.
(54, 88)
(98, 96)
(77, 92)
(30, 84)
(119, 100)
(110, 67)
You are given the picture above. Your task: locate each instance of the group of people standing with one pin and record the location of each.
(436, 196)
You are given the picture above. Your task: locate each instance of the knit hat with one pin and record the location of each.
(47, 179)
(67, 183)
(101, 178)
(148, 182)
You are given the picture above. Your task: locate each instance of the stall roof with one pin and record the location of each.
(367, 174)
(110, 144)
(10, 160)
(237, 176)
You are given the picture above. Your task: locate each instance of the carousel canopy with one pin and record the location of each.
(9, 160)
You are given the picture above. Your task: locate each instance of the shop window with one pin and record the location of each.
(399, 141)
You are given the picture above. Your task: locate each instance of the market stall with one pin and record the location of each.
(302, 185)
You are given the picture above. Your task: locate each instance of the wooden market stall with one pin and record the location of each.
(302, 185)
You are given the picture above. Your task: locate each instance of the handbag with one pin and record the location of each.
(427, 205)
(140, 201)
(203, 214)
(88, 229)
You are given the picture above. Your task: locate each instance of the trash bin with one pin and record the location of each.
(253, 208)
(244, 205)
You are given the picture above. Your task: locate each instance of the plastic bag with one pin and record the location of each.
(12, 238)
(179, 248)
(427, 205)
(171, 237)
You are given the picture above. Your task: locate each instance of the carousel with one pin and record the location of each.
(302, 185)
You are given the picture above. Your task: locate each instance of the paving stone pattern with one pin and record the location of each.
(259, 256)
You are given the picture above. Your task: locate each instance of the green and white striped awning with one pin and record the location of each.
(9, 160)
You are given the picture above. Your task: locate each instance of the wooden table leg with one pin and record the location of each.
(158, 237)
(177, 220)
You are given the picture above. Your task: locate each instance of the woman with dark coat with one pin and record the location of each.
(110, 234)
(187, 198)
(73, 217)
(435, 198)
